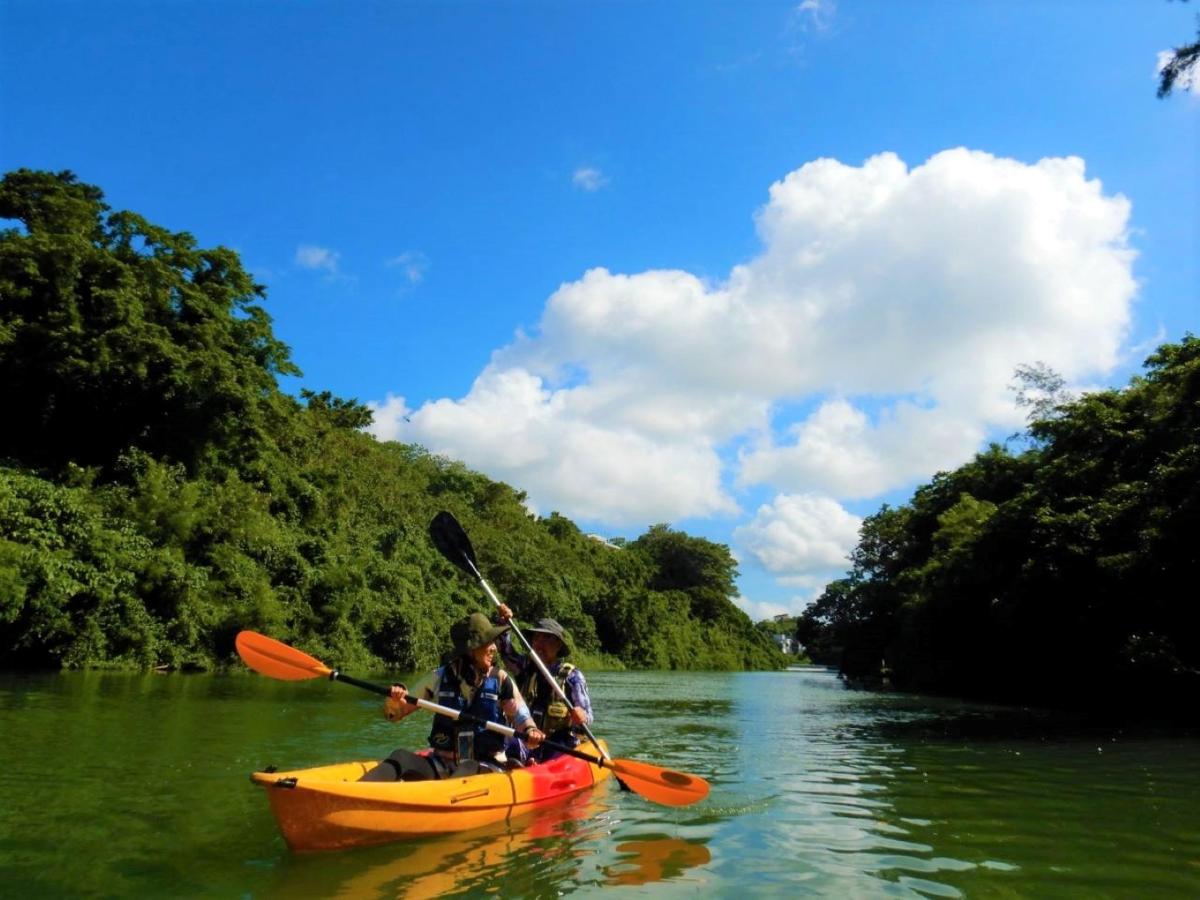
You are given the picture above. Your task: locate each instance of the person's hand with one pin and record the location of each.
(506, 614)
(579, 715)
(533, 737)
(396, 707)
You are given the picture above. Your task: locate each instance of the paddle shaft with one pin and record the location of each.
(469, 719)
(541, 666)
(277, 660)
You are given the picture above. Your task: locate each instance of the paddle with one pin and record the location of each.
(277, 660)
(452, 542)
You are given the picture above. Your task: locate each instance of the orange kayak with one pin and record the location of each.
(328, 808)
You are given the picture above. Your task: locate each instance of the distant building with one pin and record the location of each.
(599, 539)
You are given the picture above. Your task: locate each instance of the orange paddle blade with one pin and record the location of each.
(270, 657)
(664, 786)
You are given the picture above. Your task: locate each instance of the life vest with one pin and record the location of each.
(468, 741)
(550, 713)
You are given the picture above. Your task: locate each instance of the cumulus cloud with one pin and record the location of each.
(800, 537)
(889, 305)
(588, 179)
(840, 450)
(548, 443)
(758, 610)
(310, 256)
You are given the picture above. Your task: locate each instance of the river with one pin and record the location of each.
(119, 785)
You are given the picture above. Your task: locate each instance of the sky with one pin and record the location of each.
(750, 269)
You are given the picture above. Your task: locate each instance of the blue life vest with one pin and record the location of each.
(454, 736)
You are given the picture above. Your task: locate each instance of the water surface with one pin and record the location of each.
(116, 785)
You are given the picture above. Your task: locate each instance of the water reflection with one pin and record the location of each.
(816, 791)
(542, 854)
(655, 859)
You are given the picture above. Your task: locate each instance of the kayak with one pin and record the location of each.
(328, 808)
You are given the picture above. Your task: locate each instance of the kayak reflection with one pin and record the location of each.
(537, 849)
(655, 859)
(530, 856)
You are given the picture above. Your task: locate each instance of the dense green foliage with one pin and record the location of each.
(159, 492)
(1065, 572)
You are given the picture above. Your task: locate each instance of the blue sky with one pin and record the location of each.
(747, 268)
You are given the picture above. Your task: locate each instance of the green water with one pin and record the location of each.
(135, 786)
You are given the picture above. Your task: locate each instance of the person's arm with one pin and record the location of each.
(577, 694)
(512, 659)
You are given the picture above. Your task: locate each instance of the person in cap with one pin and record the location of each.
(550, 714)
(470, 681)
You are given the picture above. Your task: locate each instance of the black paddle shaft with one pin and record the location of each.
(335, 675)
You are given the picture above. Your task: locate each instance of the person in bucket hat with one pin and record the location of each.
(553, 717)
(469, 681)
(472, 633)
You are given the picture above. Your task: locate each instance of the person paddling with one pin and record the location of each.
(553, 717)
(469, 681)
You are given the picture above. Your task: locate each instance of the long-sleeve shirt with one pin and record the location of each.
(522, 665)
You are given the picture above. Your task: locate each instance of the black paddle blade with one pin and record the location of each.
(452, 542)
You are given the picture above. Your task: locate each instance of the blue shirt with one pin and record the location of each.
(575, 687)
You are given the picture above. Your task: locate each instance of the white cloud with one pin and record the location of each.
(839, 450)
(545, 442)
(589, 179)
(891, 306)
(310, 256)
(413, 263)
(758, 610)
(818, 14)
(389, 418)
(801, 537)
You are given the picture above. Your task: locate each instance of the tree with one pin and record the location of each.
(1178, 69)
(704, 571)
(1039, 389)
(1071, 558)
(159, 492)
(128, 334)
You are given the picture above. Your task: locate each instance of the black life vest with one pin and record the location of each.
(550, 713)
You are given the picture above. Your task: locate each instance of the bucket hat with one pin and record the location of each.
(476, 630)
(549, 626)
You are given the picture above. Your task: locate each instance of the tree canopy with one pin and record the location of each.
(1057, 574)
(159, 492)
(1179, 68)
(118, 333)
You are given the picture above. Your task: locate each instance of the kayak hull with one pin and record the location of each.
(328, 808)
